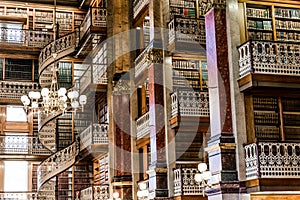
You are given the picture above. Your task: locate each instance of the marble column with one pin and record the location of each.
(221, 146)
(157, 171)
(122, 179)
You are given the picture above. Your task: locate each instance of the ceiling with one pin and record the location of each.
(72, 3)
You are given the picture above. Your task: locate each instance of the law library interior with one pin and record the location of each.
(150, 100)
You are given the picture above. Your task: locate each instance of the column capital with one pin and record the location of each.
(122, 87)
(155, 55)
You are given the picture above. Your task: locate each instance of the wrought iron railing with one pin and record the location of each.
(57, 163)
(22, 144)
(272, 160)
(62, 47)
(14, 90)
(22, 37)
(184, 182)
(96, 17)
(94, 134)
(96, 192)
(186, 30)
(190, 103)
(19, 195)
(269, 57)
(141, 62)
(142, 126)
(138, 5)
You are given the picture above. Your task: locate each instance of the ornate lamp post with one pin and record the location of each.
(203, 178)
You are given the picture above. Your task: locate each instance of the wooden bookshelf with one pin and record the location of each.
(272, 22)
(100, 171)
(276, 118)
(185, 8)
(189, 73)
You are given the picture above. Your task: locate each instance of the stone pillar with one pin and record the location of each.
(122, 179)
(221, 145)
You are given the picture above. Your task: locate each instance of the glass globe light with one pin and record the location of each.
(202, 167)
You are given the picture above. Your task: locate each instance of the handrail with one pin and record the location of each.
(138, 5)
(62, 47)
(57, 163)
(19, 195)
(142, 126)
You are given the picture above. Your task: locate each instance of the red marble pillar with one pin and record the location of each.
(122, 146)
(221, 144)
(158, 168)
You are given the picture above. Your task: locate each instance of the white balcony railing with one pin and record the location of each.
(190, 103)
(97, 192)
(184, 182)
(272, 160)
(186, 30)
(19, 195)
(22, 144)
(138, 5)
(94, 134)
(269, 57)
(141, 62)
(142, 126)
(27, 38)
(14, 90)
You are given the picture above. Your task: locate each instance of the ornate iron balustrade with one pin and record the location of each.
(186, 30)
(14, 90)
(138, 5)
(19, 195)
(94, 134)
(184, 182)
(190, 103)
(141, 62)
(97, 192)
(269, 57)
(94, 74)
(62, 47)
(57, 163)
(22, 144)
(22, 37)
(142, 126)
(272, 160)
(96, 17)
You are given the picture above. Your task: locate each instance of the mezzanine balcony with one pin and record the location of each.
(139, 6)
(143, 126)
(190, 104)
(13, 38)
(273, 164)
(20, 145)
(186, 34)
(94, 135)
(269, 64)
(93, 193)
(94, 78)
(11, 91)
(185, 184)
(92, 30)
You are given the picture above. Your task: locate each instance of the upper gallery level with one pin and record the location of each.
(269, 54)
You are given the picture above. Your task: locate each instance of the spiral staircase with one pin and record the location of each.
(61, 159)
